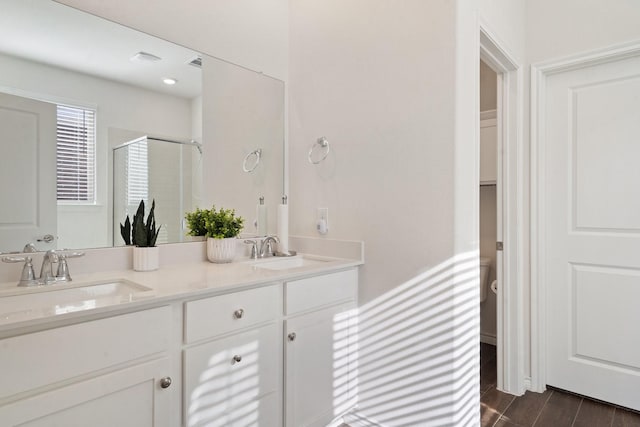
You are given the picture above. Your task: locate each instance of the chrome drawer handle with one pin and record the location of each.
(236, 359)
(165, 382)
(238, 313)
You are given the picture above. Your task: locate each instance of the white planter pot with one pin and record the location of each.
(221, 250)
(146, 259)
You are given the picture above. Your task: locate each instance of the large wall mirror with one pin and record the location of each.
(95, 116)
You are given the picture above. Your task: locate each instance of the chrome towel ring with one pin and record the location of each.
(249, 164)
(321, 144)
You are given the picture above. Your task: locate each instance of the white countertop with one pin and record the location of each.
(169, 283)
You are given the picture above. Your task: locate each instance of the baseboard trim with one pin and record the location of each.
(358, 419)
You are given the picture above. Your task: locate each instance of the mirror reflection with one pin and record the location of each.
(74, 87)
(160, 169)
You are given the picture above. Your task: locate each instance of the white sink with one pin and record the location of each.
(66, 297)
(287, 263)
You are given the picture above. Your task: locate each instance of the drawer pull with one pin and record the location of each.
(238, 313)
(292, 336)
(165, 382)
(236, 359)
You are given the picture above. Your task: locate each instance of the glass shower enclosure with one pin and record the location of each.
(161, 169)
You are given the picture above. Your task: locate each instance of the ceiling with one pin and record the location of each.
(58, 35)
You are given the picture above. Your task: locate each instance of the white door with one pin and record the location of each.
(28, 207)
(131, 397)
(316, 381)
(591, 246)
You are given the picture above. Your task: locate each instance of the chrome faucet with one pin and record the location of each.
(46, 271)
(47, 277)
(266, 247)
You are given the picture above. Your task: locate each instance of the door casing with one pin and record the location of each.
(511, 336)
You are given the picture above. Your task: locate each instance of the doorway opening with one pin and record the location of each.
(508, 192)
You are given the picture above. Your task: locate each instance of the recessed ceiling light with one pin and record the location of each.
(169, 81)
(145, 57)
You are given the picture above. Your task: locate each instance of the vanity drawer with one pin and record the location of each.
(224, 376)
(218, 315)
(41, 358)
(315, 292)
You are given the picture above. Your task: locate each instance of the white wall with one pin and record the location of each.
(378, 79)
(387, 113)
(251, 33)
(568, 27)
(118, 105)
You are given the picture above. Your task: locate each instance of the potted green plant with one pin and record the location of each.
(196, 221)
(221, 227)
(143, 236)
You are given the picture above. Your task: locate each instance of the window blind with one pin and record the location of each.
(137, 174)
(75, 154)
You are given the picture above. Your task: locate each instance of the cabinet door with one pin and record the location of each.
(488, 151)
(318, 366)
(226, 380)
(129, 397)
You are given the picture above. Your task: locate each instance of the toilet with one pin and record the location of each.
(485, 269)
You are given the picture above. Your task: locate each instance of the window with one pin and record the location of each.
(76, 142)
(137, 174)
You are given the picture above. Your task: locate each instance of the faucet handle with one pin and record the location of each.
(15, 258)
(71, 254)
(28, 276)
(63, 274)
(254, 248)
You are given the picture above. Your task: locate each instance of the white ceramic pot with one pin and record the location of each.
(221, 250)
(146, 259)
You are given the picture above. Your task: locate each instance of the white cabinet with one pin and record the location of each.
(213, 316)
(131, 397)
(236, 377)
(236, 364)
(319, 349)
(225, 380)
(488, 151)
(100, 373)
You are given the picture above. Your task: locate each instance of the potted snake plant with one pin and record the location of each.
(143, 236)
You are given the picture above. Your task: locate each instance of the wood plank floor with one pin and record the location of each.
(553, 408)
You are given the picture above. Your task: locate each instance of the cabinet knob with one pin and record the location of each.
(165, 382)
(237, 359)
(292, 336)
(238, 313)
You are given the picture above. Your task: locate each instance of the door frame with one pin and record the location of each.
(539, 74)
(511, 230)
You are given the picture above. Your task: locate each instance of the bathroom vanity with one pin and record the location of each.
(246, 343)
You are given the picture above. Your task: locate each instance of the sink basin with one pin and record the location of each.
(66, 298)
(287, 263)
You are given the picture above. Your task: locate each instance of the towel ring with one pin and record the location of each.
(321, 143)
(247, 166)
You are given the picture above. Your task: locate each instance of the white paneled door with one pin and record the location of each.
(28, 207)
(591, 243)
